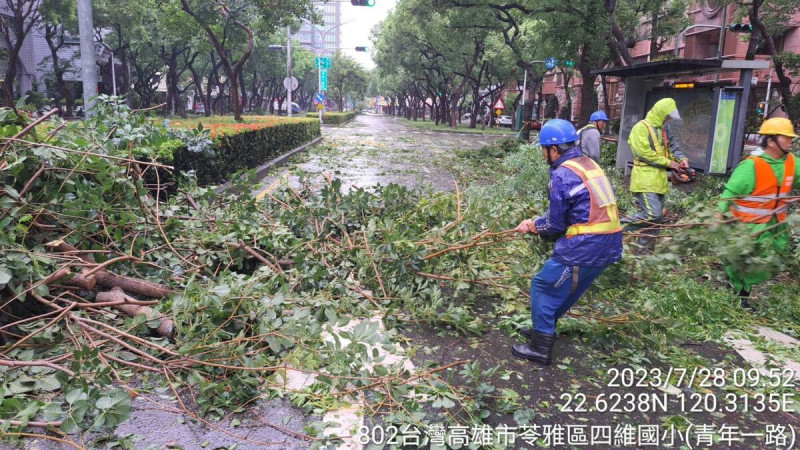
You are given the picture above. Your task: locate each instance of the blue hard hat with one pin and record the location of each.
(598, 115)
(557, 131)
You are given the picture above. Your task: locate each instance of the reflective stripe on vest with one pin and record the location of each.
(652, 137)
(603, 213)
(768, 198)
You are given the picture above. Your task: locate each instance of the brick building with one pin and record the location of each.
(698, 43)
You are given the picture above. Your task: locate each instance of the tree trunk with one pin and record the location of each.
(51, 33)
(784, 85)
(616, 41)
(606, 106)
(231, 71)
(453, 110)
(653, 44)
(125, 86)
(527, 112)
(587, 93)
(172, 83)
(24, 14)
(244, 89)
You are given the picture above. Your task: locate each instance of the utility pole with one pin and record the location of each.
(89, 74)
(289, 71)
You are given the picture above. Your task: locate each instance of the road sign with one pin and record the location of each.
(290, 83)
(325, 63)
(498, 111)
(323, 80)
(320, 106)
(550, 62)
(319, 98)
(499, 104)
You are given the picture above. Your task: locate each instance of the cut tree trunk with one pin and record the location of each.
(108, 279)
(166, 327)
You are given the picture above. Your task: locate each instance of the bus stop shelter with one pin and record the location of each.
(712, 129)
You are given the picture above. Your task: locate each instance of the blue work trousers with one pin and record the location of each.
(555, 289)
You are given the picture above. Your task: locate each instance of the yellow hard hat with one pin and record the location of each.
(777, 125)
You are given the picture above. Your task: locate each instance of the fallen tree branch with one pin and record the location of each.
(110, 262)
(32, 423)
(28, 128)
(99, 155)
(275, 267)
(124, 303)
(36, 363)
(108, 279)
(42, 436)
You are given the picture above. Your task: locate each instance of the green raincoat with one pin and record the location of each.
(743, 182)
(652, 156)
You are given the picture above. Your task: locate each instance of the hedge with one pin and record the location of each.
(334, 118)
(241, 146)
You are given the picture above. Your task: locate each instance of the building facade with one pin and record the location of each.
(35, 67)
(324, 36)
(698, 43)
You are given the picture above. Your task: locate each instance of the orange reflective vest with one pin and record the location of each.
(769, 197)
(603, 213)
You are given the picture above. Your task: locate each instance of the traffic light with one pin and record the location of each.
(362, 49)
(740, 27)
(362, 2)
(762, 106)
(569, 63)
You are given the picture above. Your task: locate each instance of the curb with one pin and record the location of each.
(261, 171)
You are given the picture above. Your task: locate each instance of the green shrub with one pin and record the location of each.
(242, 149)
(334, 118)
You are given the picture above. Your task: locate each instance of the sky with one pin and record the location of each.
(360, 20)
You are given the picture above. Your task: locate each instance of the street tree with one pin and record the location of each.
(115, 29)
(20, 17)
(346, 77)
(772, 20)
(232, 26)
(59, 20)
(171, 38)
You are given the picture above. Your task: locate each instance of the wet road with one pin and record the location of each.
(373, 149)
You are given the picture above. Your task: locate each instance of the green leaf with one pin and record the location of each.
(75, 394)
(48, 383)
(104, 403)
(52, 412)
(5, 276)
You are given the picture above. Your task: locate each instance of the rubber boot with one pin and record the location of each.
(744, 296)
(527, 332)
(538, 349)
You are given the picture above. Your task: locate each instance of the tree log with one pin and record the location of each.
(108, 279)
(116, 295)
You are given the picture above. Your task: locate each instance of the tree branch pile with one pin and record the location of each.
(102, 280)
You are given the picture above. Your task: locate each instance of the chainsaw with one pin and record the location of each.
(682, 175)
